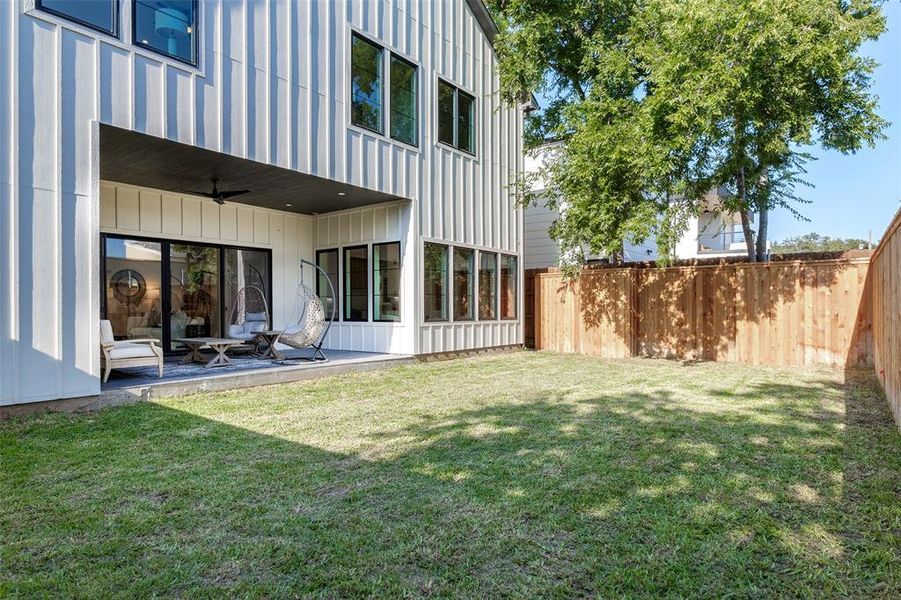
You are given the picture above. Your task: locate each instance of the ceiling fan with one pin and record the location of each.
(218, 196)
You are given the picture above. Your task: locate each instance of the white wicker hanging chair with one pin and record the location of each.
(250, 314)
(309, 330)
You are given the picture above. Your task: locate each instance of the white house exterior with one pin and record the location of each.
(106, 120)
(712, 234)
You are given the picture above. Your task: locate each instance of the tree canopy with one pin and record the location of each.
(657, 102)
(814, 242)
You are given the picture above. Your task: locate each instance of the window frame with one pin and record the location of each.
(337, 299)
(473, 273)
(117, 18)
(344, 274)
(195, 39)
(496, 285)
(456, 117)
(447, 309)
(381, 49)
(399, 282)
(500, 286)
(391, 57)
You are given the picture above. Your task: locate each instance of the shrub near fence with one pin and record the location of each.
(781, 313)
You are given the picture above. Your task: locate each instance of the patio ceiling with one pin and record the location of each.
(139, 159)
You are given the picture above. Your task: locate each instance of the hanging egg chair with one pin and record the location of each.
(312, 324)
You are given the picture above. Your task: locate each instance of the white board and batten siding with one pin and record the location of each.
(271, 86)
(387, 222)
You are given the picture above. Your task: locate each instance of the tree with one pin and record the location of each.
(814, 242)
(659, 101)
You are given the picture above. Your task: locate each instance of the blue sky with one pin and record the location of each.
(858, 192)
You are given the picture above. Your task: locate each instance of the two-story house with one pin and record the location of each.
(366, 136)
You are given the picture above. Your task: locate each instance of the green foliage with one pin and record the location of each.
(660, 101)
(814, 242)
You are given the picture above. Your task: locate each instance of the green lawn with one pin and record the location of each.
(515, 474)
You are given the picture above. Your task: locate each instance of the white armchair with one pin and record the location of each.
(127, 353)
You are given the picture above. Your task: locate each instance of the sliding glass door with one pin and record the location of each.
(168, 290)
(133, 290)
(194, 305)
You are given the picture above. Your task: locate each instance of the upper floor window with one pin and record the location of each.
(366, 84)
(102, 15)
(403, 101)
(168, 27)
(456, 117)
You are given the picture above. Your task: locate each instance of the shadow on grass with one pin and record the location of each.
(627, 494)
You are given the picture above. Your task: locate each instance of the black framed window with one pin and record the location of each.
(366, 83)
(102, 15)
(404, 124)
(168, 27)
(435, 282)
(464, 284)
(356, 283)
(509, 289)
(456, 117)
(386, 282)
(327, 260)
(487, 285)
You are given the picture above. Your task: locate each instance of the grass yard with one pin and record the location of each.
(520, 474)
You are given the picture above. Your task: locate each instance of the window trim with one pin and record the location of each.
(337, 299)
(394, 55)
(448, 311)
(117, 18)
(496, 285)
(473, 299)
(500, 316)
(456, 117)
(381, 49)
(344, 250)
(195, 40)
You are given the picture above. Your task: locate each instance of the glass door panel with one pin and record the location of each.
(246, 269)
(133, 288)
(195, 309)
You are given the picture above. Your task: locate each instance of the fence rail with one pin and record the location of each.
(781, 313)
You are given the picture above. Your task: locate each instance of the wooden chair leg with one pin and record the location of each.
(106, 371)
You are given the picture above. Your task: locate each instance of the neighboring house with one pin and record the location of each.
(371, 137)
(710, 235)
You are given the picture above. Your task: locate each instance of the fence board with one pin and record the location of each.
(885, 279)
(780, 313)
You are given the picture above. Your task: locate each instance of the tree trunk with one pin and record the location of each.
(761, 234)
(745, 219)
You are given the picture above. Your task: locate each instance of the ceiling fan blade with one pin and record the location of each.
(219, 200)
(196, 193)
(233, 193)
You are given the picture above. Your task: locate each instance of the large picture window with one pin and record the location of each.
(456, 117)
(366, 84)
(386, 282)
(102, 15)
(356, 283)
(487, 285)
(327, 260)
(403, 101)
(168, 27)
(464, 284)
(509, 289)
(435, 282)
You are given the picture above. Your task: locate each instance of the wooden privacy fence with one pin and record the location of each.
(778, 313)
(885, 275)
